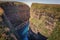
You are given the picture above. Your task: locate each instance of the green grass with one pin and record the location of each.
(40, 24)
(56, 33)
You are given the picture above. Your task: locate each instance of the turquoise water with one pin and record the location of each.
(23, 33)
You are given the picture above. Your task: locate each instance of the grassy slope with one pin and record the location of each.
(56, 33)
(50, 8)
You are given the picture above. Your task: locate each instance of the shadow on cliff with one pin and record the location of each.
(34, 36)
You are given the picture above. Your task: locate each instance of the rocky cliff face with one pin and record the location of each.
(43, 18)
(16, 12)
(15, 17)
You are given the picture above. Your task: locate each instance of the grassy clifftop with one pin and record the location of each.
(56, 32)
(43, 18)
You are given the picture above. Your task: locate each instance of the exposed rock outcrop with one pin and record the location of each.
(16, 12)
(43, 18)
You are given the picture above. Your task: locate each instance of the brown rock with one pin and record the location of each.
(16, 12)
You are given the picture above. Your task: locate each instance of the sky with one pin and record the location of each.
(29, 2)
